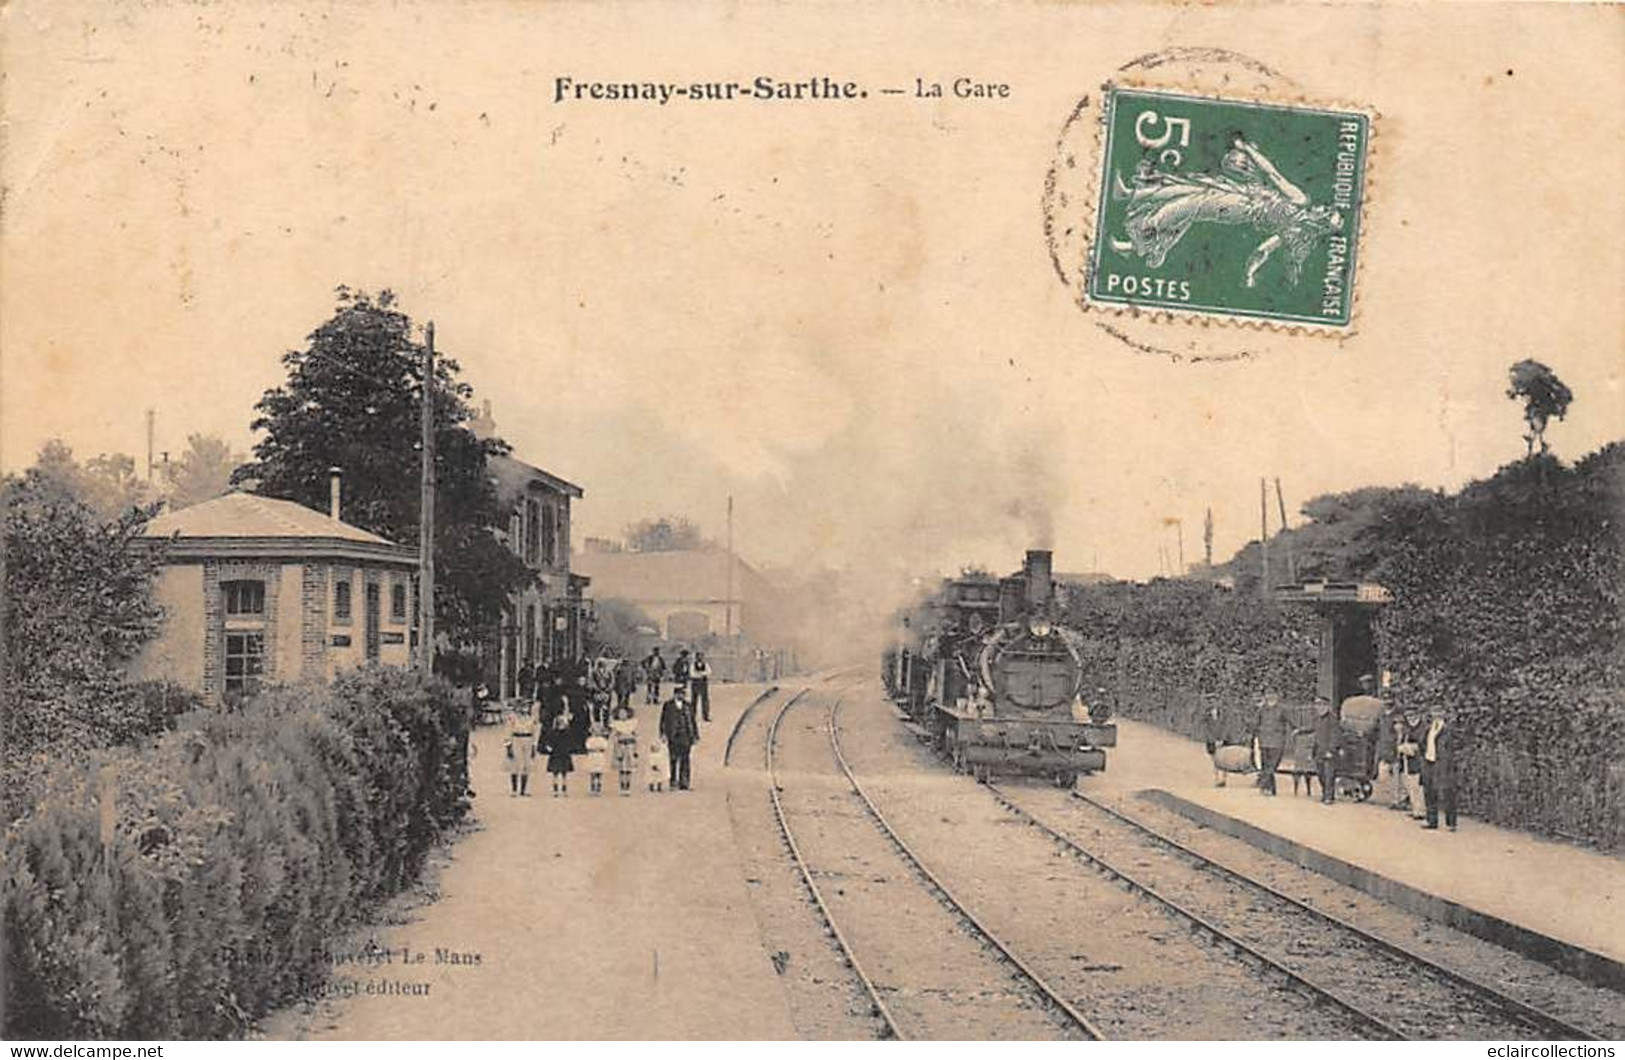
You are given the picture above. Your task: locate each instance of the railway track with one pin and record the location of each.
(970, 953)
(1328, 958)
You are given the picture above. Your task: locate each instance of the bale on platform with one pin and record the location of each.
(1234, 758)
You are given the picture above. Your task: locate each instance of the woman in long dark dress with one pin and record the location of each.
(559, 743)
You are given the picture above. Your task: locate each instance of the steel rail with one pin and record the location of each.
(1539, 1017)
(877, 1003)
(739, 722)
(1049, 993)
(1212, 930)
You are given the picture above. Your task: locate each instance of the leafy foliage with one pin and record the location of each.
(669, 533)
(106, 483)
(202, 473)
(79, 606)
(240, 844)
(352, 400)
(1544, 396)
(1507, 613)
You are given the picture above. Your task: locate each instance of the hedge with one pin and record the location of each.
(1507, 613)
(241, 842)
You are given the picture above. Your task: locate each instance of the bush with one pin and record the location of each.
(240, 843)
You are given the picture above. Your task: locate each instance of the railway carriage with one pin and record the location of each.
(986, 668)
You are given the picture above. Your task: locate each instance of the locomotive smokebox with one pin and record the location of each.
(1040, 573)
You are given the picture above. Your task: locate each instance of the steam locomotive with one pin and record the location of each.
(986, 668)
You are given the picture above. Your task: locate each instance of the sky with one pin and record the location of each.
(842, 314)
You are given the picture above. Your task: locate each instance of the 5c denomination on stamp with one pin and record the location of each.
(1228, 208)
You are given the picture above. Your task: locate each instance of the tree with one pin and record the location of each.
(352, 400)
(79, 606)
(1544, 396)
(202, 473)
(107, 483)
(669, 533)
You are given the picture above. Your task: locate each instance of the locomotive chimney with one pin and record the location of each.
(1040, 577)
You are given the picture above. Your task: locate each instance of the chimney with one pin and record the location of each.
(1040, 577)
(334, 478)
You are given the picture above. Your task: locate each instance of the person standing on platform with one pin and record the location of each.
(1273, 729)
(1439, 771)
(1328, 731)
(1213, 734)
(654, 672)
(626, 683)
(526, 682)
(1413, 731)
(680, 671)
(681, 733)
(559, 743)
(519, 750)
(699, 683)
(623, 725)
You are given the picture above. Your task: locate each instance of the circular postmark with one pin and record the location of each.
(1180, 142)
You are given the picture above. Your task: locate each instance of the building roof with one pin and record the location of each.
(515, 478)
(241, 524)
(684, 576)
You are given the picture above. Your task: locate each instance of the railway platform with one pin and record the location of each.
(1551, 901)
(573, 918)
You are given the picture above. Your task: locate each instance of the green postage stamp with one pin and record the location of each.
(1228, 208)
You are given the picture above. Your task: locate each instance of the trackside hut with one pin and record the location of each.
(256, 589)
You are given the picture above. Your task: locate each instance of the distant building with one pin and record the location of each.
(547, 622)
(256, 589)
(687, 592)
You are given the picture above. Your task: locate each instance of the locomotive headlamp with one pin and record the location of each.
(1040, 627)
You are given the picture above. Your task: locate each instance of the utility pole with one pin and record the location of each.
(728, 609)
(1179, 526)
(1264, 537)
(425, 659)
(1207, 537)
(152, 418)
(1291, 560)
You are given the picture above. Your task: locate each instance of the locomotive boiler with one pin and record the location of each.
(988, 670)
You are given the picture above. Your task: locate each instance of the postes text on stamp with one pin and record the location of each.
(1228, 208)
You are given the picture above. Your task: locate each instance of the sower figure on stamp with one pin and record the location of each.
(681, 732)
(1247, 190)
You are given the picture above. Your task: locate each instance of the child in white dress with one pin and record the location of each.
(659, 764)
(595, 760)
(624, 725)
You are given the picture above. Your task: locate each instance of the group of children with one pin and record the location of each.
(611, 744)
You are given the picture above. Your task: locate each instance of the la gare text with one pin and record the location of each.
(768, 90)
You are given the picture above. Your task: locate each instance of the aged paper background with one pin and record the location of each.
(842, 312)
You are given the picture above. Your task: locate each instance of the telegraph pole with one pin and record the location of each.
(729, 608)
(1291, 560)
(1264, 537)
(152, 417)
(425, 660)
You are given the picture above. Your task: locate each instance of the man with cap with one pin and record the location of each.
(1412, 734)
(1273, 729)
(699, 681)
(1439, 771)
(1328, 731)
(681, 733)
(654, 671)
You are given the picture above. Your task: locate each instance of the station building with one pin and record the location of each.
(548, 622)
(256, 589)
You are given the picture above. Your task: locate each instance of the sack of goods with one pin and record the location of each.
(1361, 714)
(1234, 759)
